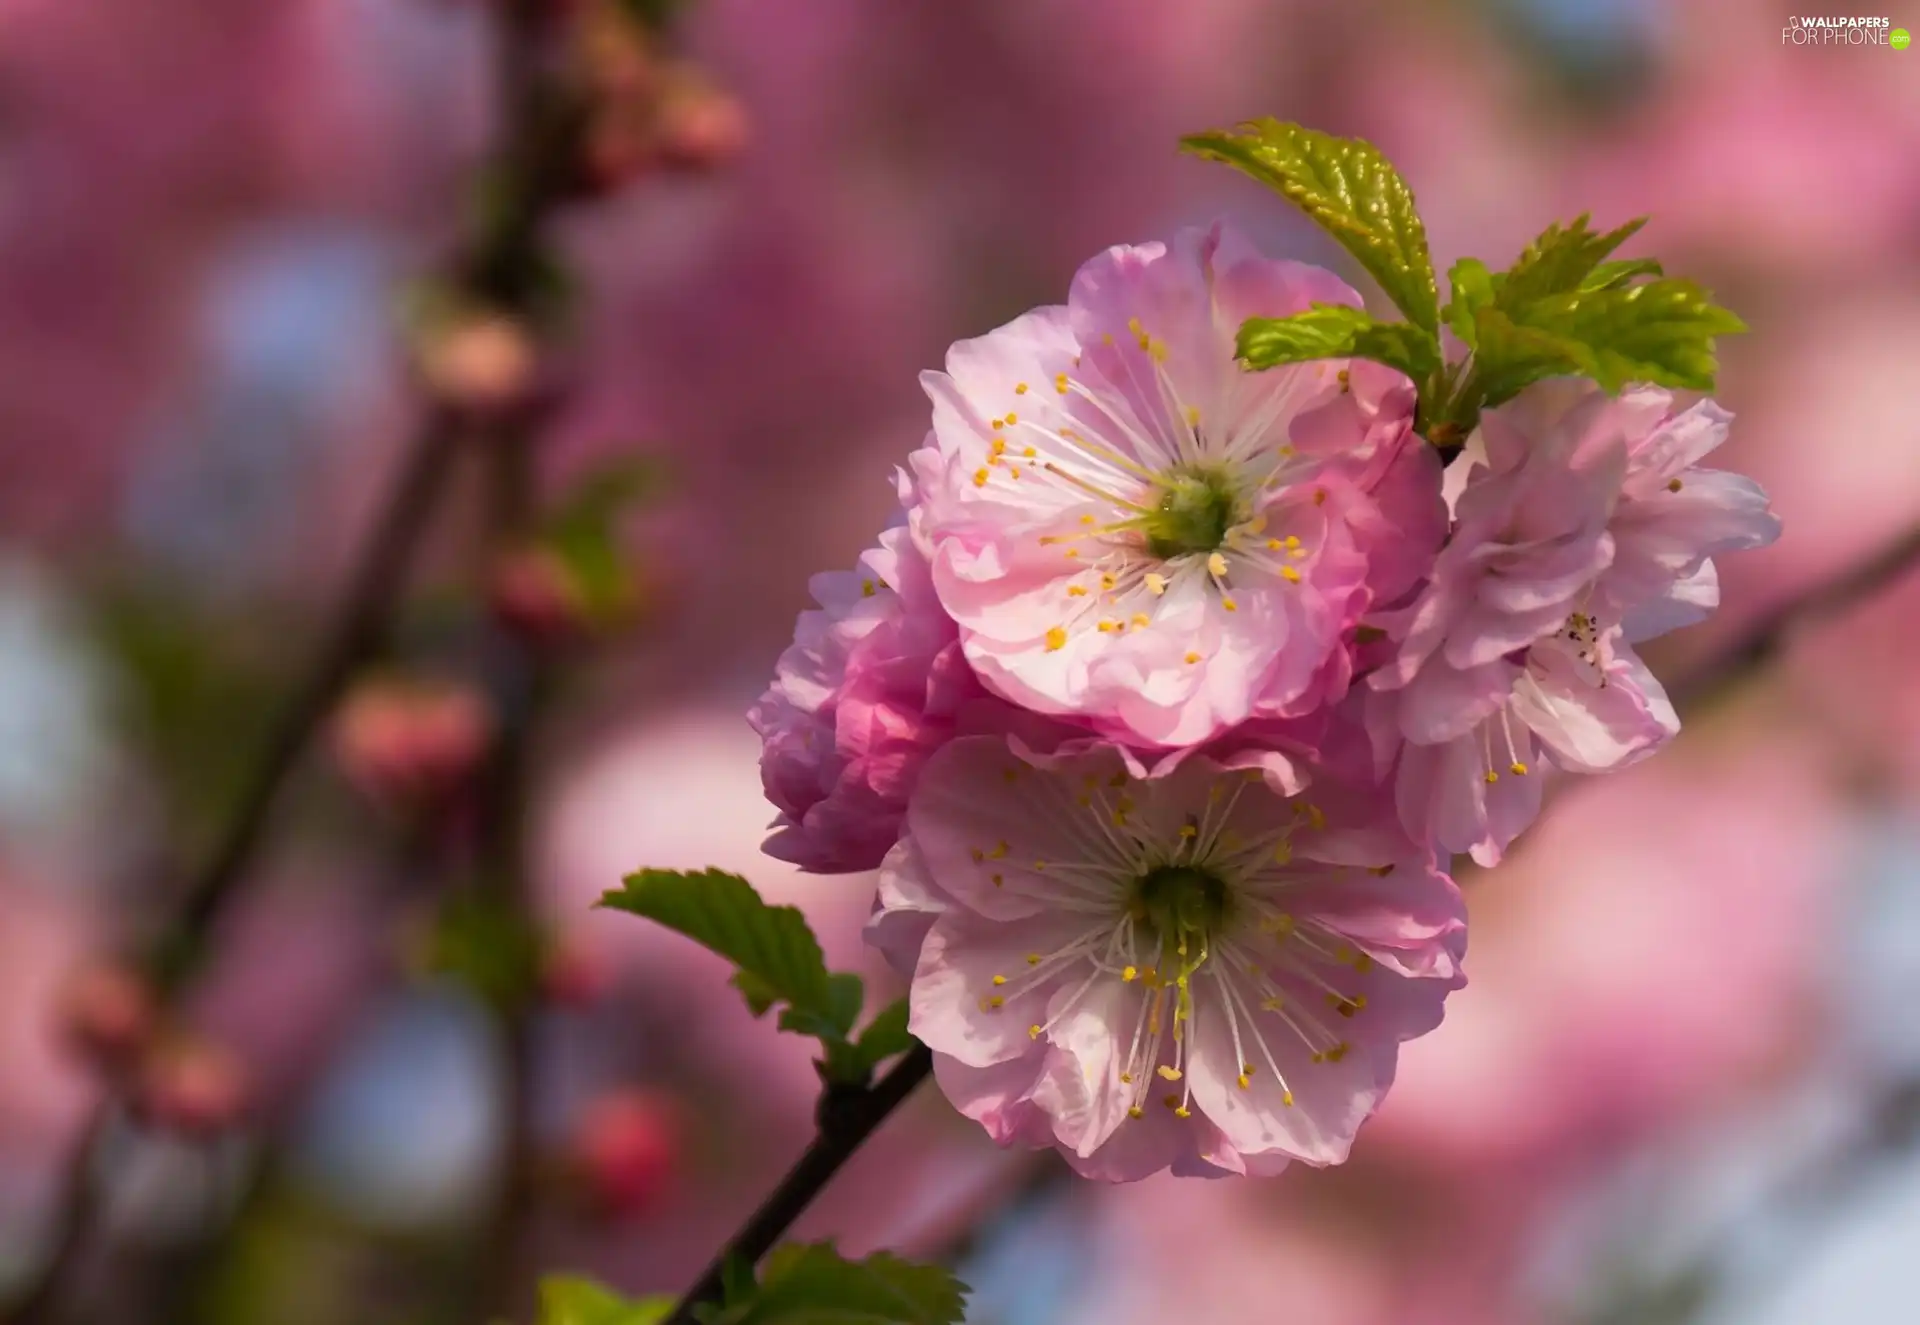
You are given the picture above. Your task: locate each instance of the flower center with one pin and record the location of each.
(1196, 506)
(1183, 904)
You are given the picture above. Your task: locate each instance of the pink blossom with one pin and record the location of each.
(1132, 530)
(870, 687)
(1189, 970)
(1583, 525)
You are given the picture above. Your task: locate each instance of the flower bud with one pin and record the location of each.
(409, 741)
(193, 1086)
(572, 975)
(535, 594)
(108, 1013)
(484, 362)
(702, 128)
(625, 1152)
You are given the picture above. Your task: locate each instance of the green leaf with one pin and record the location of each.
(1472, 290)
(845, 994)
(778, 956)
(583, 530)
(1333, 331)
(1610, 274)
(1352, 191)
(813, 1284)
(488, 945)
(1509, 356)
(1661, 332)
(886, 1035)
(570, 1300)
(1559, 260)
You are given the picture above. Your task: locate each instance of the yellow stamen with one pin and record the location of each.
(1056, 639)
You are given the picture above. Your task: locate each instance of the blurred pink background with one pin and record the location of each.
(1680, 1084)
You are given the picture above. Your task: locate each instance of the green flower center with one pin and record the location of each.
(1197, 505)
(1183, 904)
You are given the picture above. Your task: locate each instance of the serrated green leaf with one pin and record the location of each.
(1333, 331)
(845, 994)
(571, 1300)
(1661, 332)
(1610, 274)
(778, 956)
(1472, 287)
(886, 1035)
(813, 1284)
(1352, 191)
(1509, 357)
(1559, 259)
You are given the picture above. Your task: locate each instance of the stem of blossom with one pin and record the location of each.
(1762, 641)
(847, 1117)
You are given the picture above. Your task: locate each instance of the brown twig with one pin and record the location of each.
(848, 1116)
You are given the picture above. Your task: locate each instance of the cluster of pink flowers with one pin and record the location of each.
(1165, 704)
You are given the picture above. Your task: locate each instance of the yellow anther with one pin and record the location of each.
(1273, 545)
(1183, 1112)
(1040, 866)
(1168, 1073)
(1056, 639)
(1012, 418)
(1034, 959)
(999, 980)
(1290, 574)
(1029, 452)
(1086, 519)
(999, 446)
(1013, 471)
(977, 854)
(1193, 658)
(996, 1002)
(1141, 621)
(1158, 349)
(1188, 831)
(1229, 604)
(1060, 383)
(999, 852)
(1033, 1031)
(1342, 377)
(1019, 388)
(1109, 627)
(1287, 1099)
(1135, 1111)
(1217, 565)
(1517, 768)
(1363, 963)
(1076, 591)
(980, 477)
(1156, 584)
(1107, 581)
(1319, 496)
(999, 423)
(1193, 416)
(1492, 777)
(1130, 974)
(1315, 815)
(1245, 1081)
(1282, 853)
(1674, 485)
(1133, 325)
(999, 880)
(1292, 541)
(1270, 1004)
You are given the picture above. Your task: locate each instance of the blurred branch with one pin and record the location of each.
(501, 264)
(1764, 640)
